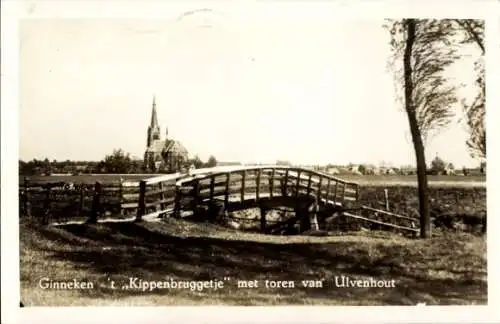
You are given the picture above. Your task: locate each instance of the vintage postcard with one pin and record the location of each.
(250, 154)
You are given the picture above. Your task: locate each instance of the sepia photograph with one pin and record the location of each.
(223, 157)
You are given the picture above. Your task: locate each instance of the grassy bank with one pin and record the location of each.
(424, 270)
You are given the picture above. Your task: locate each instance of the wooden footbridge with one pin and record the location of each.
(211, 193)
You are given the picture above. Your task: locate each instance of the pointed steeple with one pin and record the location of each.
(154, 117)
(154, 128)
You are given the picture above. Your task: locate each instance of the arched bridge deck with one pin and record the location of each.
(241, 187)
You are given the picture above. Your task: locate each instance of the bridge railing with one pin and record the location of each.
(253, 183)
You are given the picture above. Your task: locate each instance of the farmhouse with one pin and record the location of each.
(163, 156)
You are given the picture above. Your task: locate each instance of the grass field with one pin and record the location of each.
(424, 270)
(382, 180)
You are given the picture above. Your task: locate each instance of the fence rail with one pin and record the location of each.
(174, 193)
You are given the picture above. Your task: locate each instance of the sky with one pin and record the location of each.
(310, 91)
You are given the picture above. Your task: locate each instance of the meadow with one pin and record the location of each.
(424, 271)
(382, 180)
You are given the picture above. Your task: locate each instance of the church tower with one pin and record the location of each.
(154, 128)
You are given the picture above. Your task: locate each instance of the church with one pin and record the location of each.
(167, 156)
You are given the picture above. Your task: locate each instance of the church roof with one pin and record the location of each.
(176, 147)
(156, 146)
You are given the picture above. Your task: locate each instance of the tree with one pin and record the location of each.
(438, 166)
(473, 30)
(117, 162)
(196, 161)
(212, 162)
(422, 51)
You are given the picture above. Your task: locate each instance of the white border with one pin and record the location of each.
(14, 10)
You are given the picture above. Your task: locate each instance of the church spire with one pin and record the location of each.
(154, 128)
(154, 117)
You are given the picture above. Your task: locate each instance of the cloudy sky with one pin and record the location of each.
(310, 90)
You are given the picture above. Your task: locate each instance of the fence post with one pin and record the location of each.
(257, 185)
(46, 206)
(242, 193)
(271, 183)
(80, 204)
(27, 204)
(96, 203)
(162, 196)
(226, 194)
(177, 203)
(141, 209)
(120, 196)
(386, 194)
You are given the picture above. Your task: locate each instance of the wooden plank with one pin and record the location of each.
(164, 178)
(164, 189)
(381, 223)
(168, 200)
(380, 211)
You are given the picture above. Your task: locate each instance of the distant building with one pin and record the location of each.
(163, 156)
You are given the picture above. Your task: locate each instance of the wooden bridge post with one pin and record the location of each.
(257, 188)
(226, 194)
(141, 210)
(243, 176)
(386, 196)
(297, 184)
(284, 186)
(271, 183)
(96, 203)
(335, 192)
(313, 215)
(309, 182)
(196, 196)
(26, 202)
(328, 184)
(318, 194)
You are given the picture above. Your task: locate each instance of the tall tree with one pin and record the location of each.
(422, 50)
(117, 162)
(475, 113)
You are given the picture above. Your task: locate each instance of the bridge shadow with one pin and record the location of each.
(127, 249)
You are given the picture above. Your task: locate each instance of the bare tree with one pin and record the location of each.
(475, 112)
(422, 50)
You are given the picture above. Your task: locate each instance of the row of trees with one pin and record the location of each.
(422, 51)
(116, 162)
